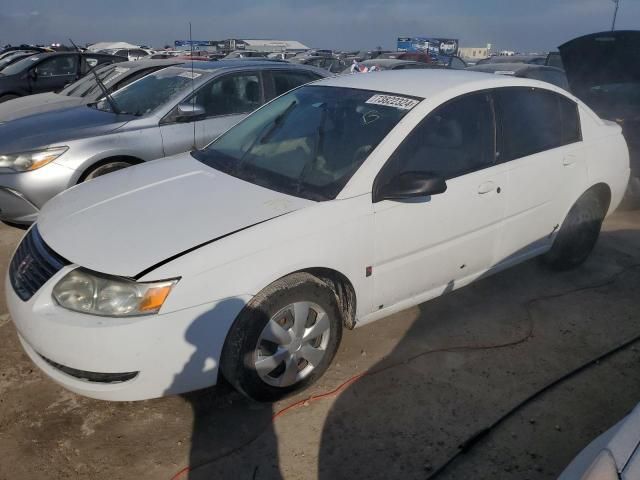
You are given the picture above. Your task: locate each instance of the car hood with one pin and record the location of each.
(129, 221)
(56, 127)
(601, 59)
(39, 103)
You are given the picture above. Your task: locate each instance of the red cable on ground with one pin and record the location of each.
(346, 383)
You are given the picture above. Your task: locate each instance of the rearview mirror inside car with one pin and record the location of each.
(188, 112)
(411, 185)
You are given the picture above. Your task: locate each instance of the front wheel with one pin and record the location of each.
(284, 339)
(578, 235)
(104, 169)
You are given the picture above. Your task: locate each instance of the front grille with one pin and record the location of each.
(92, 376)
(33, 264)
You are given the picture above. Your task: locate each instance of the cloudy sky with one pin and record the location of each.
(526, 25)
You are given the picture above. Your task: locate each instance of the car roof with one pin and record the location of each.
(423, 83)
(388, 62)
(246, 64)
(147, 63)
(512, 67)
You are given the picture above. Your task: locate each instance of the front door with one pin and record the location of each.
(226, 100)
(54, 73)
(428, 246)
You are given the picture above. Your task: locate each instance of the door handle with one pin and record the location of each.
(487, 187)
(568, 160)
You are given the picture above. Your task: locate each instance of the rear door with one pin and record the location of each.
(541, 146)
(53, 73)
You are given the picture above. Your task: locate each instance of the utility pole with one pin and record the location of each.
(615, 14)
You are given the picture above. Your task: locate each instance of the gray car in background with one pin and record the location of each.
(84, 91)
(169, 111)
(553, 75)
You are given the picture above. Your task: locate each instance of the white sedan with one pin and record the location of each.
(337, 204)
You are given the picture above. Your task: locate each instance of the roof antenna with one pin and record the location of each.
(193, 96)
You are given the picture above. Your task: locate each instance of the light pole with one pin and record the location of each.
(615, 14)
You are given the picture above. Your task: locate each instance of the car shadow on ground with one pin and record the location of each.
(411, 410)
(493, 345)
(232, 437)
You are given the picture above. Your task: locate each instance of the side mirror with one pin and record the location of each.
(410, 185)
(188, 112)
(33, 74)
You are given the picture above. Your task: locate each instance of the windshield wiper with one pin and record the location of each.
(105, 92)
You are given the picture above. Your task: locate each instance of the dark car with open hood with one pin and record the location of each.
(603, 70)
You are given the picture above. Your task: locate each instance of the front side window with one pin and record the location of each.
(308, 142)
(456, 138)
(56, 66)
(535, 120)
(230, 95)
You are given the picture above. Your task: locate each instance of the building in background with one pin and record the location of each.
(473, 54)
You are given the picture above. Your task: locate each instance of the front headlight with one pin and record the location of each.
(27, 161)
(88, 292)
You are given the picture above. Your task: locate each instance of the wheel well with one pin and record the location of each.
(104, 161)
(603, 192)
(343, 289)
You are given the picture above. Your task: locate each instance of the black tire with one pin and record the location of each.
(578, 234)
(6, 98)
(237, 360)
(104, 169)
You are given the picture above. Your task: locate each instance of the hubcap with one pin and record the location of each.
(292, 344)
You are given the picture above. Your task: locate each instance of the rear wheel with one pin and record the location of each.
(284, 340)
(578, 235)
(105, 168)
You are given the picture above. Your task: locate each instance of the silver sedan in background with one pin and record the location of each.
(169, 111)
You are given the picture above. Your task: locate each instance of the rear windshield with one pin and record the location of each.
(87, 84)
(308, 142)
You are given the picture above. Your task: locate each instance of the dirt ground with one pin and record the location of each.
(436, 374)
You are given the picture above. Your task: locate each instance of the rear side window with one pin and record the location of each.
(534, 121)
(283, 80)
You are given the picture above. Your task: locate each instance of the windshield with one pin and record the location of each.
(87, 85)
(309, 142)
(20, 65)
(150, 92)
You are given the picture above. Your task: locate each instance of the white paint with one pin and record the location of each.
(126, 222)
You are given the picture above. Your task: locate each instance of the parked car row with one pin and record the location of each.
(313, 214)
(49, 147)
(320, 211)
(48, 72)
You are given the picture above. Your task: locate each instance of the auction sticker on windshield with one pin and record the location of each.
(402, 103)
